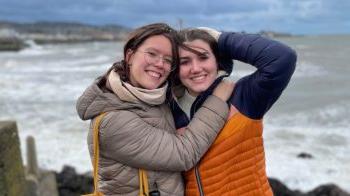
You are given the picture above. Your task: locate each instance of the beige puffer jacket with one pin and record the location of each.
(137, 135)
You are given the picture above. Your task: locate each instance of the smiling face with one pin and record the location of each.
(145, 73)
(197, 71)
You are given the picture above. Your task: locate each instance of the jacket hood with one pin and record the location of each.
(95, 101)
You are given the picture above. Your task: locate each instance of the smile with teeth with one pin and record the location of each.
(154, 74)
(198, 78)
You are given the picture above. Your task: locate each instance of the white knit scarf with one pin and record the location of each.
(129, 93)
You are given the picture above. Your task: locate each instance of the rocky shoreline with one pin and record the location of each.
(31, 180)
(69, 183)
(13, 36)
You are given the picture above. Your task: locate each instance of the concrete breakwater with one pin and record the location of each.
(15, 179)
(13, 36)
(11, 44)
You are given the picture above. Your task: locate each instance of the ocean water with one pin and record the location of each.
(39, 87)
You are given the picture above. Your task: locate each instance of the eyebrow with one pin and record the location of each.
(156, 50)
(204, 53)
(151, 48)
(185, 58)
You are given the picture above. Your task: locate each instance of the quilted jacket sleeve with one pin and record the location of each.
(128, 139)
(275, 62)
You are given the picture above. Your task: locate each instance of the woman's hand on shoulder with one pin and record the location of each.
(224, 89)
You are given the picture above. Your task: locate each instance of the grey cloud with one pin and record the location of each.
(251, 15)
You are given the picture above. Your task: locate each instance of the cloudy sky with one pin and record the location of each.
(293, 16)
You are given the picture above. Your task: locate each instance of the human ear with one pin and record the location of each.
(128, 56)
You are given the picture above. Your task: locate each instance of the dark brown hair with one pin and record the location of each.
(135, 40)
(189, 35)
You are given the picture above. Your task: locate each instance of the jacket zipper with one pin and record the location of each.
(196, 169)
(199, 183)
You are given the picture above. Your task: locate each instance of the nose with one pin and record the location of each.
(196, 67)
(159, 62)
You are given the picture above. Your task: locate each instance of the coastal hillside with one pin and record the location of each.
(14, 35)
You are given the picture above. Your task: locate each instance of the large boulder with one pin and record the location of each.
(69, 183)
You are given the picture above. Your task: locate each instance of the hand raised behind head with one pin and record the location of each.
(213, 32)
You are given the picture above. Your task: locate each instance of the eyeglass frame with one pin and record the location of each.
(158, 58)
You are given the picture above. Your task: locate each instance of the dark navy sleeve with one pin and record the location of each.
(275, 62)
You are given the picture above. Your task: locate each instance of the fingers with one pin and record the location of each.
(211, 31)
(224, 89)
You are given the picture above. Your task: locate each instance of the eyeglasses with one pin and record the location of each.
(152, 57)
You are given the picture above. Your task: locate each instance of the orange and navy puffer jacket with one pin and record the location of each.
(235, 163)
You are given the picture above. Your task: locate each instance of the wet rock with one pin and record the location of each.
(328, 190)
(69, 183)
(279, 189)
(305, 155)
